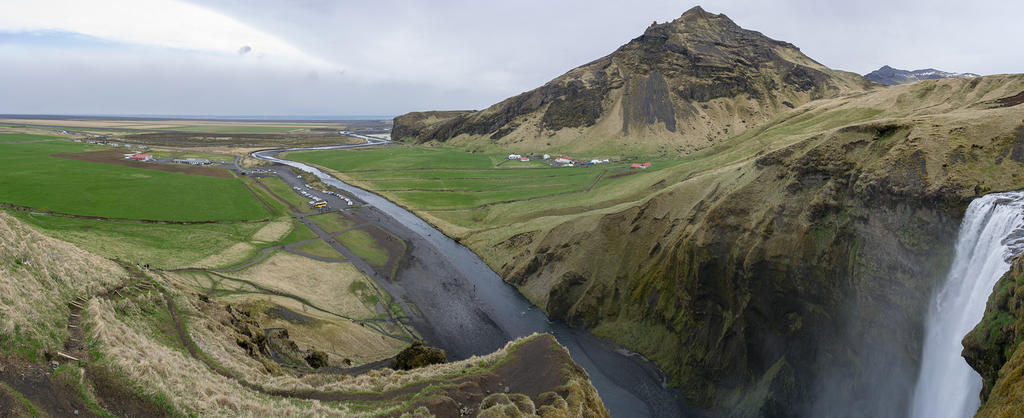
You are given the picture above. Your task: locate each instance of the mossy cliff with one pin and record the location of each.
(785, 271)
(680, 86)
(993, 347)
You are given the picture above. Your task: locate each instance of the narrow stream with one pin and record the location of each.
(629, 385)
(991, 235)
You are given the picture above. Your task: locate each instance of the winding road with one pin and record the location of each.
(456, 302)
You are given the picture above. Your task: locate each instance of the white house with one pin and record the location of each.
(514, 156)
(546, 156)
(562, 160)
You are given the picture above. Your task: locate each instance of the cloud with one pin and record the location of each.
(394, 56)
(155, 23)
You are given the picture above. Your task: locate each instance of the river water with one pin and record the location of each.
(629, 385)
(992, 233)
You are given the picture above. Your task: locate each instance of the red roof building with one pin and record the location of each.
(143, 157)
(644, 165)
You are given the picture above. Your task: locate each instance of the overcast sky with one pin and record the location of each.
(387, 57)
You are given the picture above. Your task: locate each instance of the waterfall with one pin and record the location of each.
(991, 235)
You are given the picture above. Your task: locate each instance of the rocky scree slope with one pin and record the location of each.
(785, 271)
(679, 87)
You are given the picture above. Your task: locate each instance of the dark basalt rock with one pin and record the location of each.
(418, 355)
(316, 358)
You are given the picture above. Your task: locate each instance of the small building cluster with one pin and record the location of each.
(193, 161)
(139, 157)
(562, 161)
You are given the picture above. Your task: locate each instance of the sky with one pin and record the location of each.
(388, 57)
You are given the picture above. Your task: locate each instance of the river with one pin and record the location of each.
(463, 306)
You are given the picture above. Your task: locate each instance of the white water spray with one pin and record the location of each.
(992, 233)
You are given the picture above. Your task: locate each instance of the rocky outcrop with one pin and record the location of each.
(993, 347)
(272, 347)
(681, 86)
(418, 355)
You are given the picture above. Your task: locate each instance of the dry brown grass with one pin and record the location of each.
(323, 284)
(39, 275)
(232, 255)
(187, 384)
(273, 231)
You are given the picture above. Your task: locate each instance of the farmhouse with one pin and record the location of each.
(524, 159)
(644, 165)
(142, 157)
(563, 160)
(514, 156)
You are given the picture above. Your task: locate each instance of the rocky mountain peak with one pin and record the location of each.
(684, 84)
(699, 14)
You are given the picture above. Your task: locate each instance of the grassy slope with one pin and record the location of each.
(30, 177)
(39, 275)
(133, 346)
(166, 246)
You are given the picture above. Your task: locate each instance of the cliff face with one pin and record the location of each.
(790, 273)
(993, 347)
(679, 87)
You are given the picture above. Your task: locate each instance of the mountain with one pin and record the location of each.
(679, 87)
(785, 271)
(894, 76)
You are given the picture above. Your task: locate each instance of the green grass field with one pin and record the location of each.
(300, 232)
(320, 248)
(444, 179)
(332, 222)
(281, 189)
(163, 245)
(472, 190)
(364, 246)
(30, 176)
